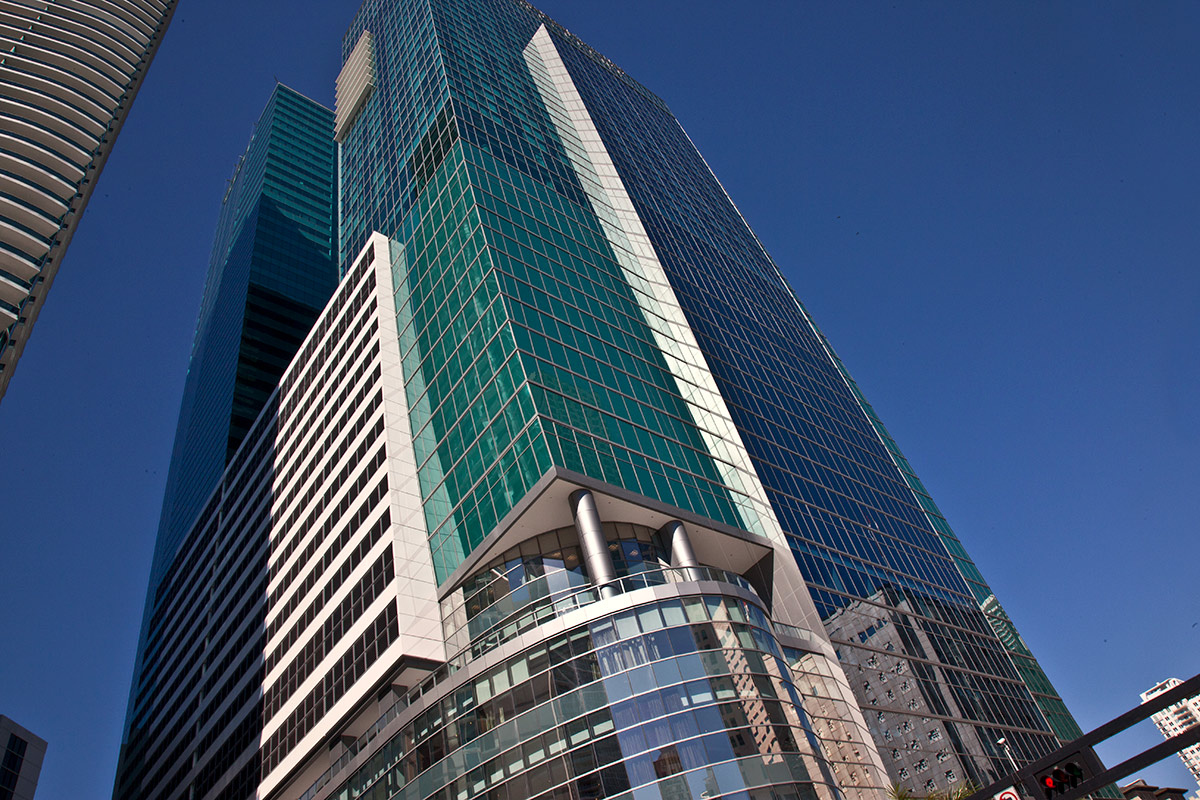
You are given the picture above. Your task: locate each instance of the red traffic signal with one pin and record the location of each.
(1060, 778)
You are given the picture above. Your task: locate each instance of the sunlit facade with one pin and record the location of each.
(69, 76)
(1176, 719)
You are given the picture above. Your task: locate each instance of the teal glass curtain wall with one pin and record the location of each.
(524, 345)
(271, 272)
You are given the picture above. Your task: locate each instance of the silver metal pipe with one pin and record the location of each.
(682, 554)
(596, 557)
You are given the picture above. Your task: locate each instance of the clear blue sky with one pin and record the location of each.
(990, 208)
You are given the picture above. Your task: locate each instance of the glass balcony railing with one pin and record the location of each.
(502, 627)
(535, 603)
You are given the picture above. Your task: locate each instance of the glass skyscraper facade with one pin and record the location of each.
(562, 496)
(271, 271)
(544, 291)
(527, 341)
(864, 530)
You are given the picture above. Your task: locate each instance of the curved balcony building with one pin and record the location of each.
(68, 75)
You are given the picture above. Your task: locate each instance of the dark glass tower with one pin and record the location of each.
(271, 272)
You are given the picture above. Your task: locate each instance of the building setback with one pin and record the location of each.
(68, 78)
(564, 496)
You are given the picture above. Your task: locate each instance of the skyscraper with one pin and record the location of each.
(1176, 719)
(271, 271)
(564, 495)
(69, 76)
(867, 536)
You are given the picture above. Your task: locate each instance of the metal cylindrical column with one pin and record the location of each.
(682, 554)
(596, 557)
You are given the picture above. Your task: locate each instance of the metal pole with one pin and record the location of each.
(1003, 742)
(596, 557)
(682, 554)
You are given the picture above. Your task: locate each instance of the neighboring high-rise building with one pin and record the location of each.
(271, 271)
(1175, 719)
(1140, 790)
(21, 755)
(68, 77)
(564, 496)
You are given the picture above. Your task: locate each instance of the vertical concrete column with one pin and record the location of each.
(596, 557)
(682, 554)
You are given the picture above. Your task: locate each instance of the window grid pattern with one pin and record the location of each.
(852, 520)
(525, 346)
(316, 505)
(683, 698)
(10, 765)
(609, 404)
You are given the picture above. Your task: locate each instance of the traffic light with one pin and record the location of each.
(1057, 780)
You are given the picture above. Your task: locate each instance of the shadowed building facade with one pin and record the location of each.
(21, 756)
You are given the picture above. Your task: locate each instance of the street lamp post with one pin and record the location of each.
(1003, 742)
